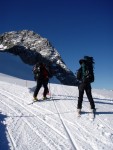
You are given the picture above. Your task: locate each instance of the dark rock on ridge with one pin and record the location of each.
(32, 48)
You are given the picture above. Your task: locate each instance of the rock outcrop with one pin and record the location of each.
(32, 48)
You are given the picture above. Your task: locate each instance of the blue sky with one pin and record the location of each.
(74, 27)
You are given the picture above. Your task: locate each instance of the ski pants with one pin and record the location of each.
(41, 83)
(87, 88)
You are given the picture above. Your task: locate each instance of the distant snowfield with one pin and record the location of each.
(53, 124)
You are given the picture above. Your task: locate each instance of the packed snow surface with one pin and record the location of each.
(53, 124)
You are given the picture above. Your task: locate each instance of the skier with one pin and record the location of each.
(42, 78)
(85, 76)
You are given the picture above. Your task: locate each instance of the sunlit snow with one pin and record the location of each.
(52, 124)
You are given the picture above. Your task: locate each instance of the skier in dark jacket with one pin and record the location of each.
(42, 79)
(85, 78)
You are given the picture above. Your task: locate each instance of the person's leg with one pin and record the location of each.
(39, 84)
(80, 98)
(89, 95)
(46, 90)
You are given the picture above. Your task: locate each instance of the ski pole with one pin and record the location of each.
(50, 91)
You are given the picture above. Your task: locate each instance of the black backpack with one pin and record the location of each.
(41, 74)
(89, 69)
(36, 71)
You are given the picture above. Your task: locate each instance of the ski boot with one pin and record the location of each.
(35, 99)
(78, 112)
(44, 98)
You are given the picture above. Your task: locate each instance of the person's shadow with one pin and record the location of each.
(4, 144)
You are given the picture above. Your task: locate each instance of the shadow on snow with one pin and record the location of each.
(4, 144)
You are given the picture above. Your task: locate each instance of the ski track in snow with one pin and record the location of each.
(53, 124)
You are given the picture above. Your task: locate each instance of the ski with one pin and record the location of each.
(92, 114)
(39, 100)
(32, 102)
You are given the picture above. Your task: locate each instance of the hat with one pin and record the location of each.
(82, 61)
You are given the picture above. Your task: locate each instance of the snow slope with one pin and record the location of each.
(53, 124)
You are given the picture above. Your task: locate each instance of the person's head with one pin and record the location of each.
(82, 61)
(42, 64)
(37, 64)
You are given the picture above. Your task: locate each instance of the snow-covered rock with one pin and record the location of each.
(32, 48)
